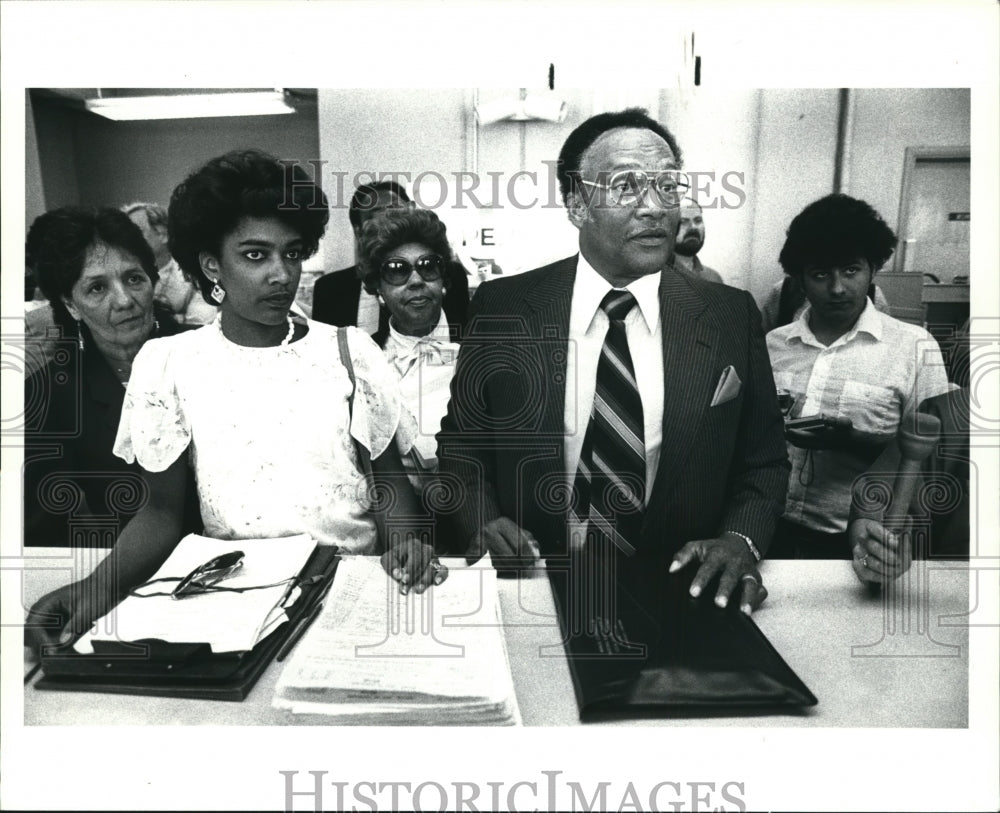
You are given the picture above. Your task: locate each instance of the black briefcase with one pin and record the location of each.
(647, 648)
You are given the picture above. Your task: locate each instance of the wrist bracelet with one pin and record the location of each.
(750, 544)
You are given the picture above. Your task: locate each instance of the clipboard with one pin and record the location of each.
(666, 654)
(160, 669)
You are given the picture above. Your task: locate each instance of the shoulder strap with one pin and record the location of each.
(363, 454)
(345, 359)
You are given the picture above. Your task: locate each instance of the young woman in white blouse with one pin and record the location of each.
(257, 403)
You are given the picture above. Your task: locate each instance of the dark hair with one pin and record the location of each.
(391, 228)
(568, 166)
(833, 231)
(211, 201)
(58, 242)
(365, 198)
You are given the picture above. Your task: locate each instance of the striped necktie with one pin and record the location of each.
(610, 484)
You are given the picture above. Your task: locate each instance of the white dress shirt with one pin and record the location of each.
(588, 325)
(875, 374)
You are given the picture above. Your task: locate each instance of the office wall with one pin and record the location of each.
(796, 147)
(34, 193)
(381, 131)
(530, 225)
(124, 161)
(885, 123)
(717, 131)
(778, 145)
(415, 129)
(89, 160)
(783, 142)
(430, 135)
(54, 127)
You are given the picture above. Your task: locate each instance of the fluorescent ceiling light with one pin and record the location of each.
(191, 105)
(534, 107)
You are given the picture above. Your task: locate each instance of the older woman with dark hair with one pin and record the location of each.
(98, 274)
(406, 263)
(850, 371)
(276, 430)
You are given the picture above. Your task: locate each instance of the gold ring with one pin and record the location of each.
(751, 577)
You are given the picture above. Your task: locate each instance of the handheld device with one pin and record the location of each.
(820, 421)
(808, 422)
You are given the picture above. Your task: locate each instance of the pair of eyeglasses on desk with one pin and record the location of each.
(204, 579)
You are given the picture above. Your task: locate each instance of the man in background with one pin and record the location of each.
(852, 374)
(690, 239)
(338, 298)
(174, 291)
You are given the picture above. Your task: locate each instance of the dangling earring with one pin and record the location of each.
(217, 294)
(79, 337)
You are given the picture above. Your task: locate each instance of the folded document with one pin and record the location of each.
(226, 621)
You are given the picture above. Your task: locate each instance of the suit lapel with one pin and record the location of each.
(544, 308)
(689, 349)
(548, 304)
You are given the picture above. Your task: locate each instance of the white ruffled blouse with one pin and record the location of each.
(267, 430)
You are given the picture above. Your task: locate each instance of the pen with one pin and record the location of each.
(298, 631)
(32, 672)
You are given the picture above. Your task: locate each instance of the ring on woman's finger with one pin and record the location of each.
(436, 566)
(864, 561)
(751, 577)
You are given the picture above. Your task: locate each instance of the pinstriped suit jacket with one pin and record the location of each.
(501, 444)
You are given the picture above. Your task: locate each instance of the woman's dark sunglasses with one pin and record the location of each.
(396, 271)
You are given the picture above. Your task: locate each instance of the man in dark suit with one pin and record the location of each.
(521, 442)
(338, 298)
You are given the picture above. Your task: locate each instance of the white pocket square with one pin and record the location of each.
(728, 386)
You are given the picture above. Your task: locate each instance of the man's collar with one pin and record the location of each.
(590, 288)
(870, 322)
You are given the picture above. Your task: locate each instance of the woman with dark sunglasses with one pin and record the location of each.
(406, 261)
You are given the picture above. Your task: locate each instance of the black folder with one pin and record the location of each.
(654, 651)
(162, 669)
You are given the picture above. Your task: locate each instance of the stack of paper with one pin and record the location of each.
(374, 656)
(227, 621)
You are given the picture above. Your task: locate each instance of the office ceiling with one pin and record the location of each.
(77, 97)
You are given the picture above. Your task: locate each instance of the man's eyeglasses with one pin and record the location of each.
(396, 271)
(628, 186)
